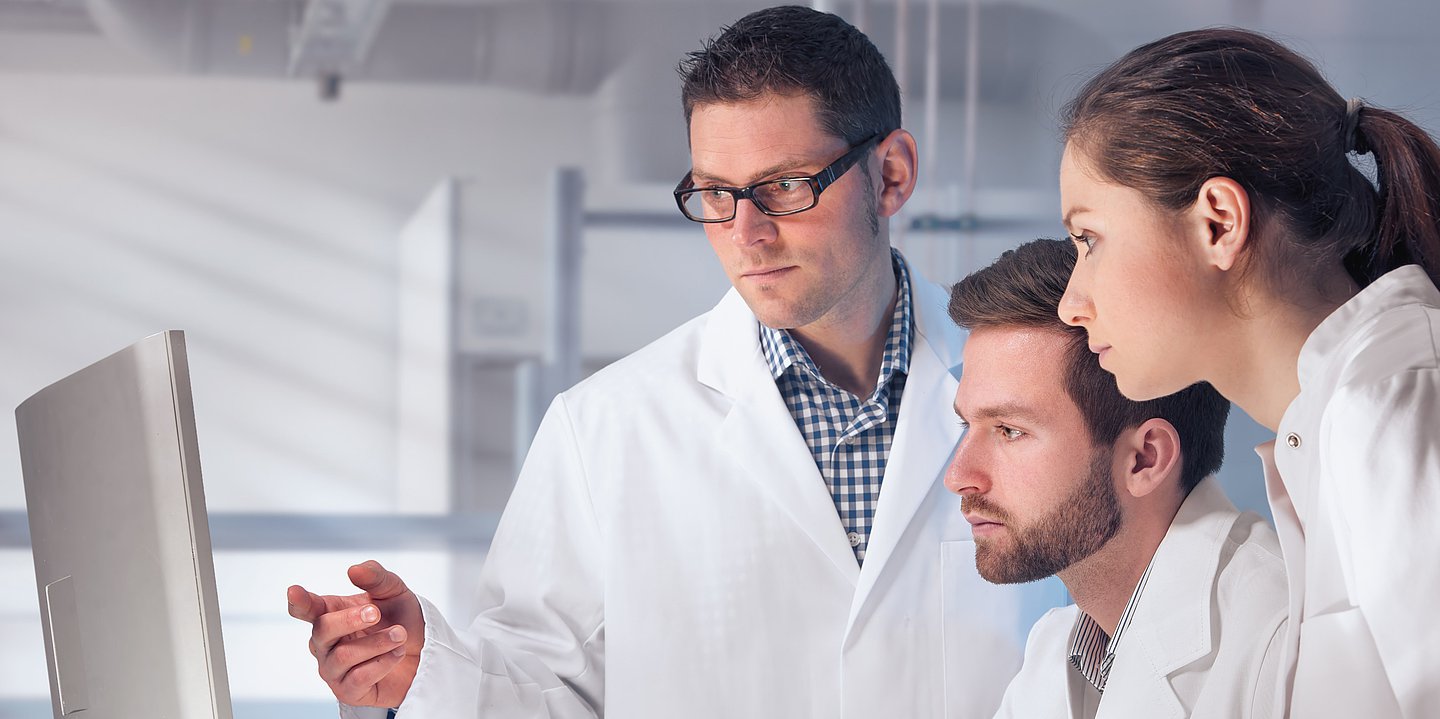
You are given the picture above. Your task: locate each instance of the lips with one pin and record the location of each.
(1100, 351)
(982, 526)
(976, 520)
(767, 273)
(985, 517)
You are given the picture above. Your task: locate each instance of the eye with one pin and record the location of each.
(1086, 240)
(783, 187)
(963, 424)
(1009, 433)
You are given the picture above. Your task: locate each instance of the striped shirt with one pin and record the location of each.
(1092, 653)
(849, 437)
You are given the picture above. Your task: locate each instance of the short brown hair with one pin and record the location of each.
(793, 50)
(1023, 289)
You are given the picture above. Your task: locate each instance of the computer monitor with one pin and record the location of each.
(121, 542)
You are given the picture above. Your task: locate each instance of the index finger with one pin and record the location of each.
(332, 627)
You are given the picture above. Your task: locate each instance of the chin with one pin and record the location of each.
(998, 567)
(779, 314)
(1143, 389)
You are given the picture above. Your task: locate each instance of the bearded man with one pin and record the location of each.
(1179, 598)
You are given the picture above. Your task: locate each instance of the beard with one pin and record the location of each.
(1082, 523)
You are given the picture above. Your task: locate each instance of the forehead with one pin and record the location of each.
(1077, 180)
(732, 141)
(1025, 366)
(1083, 190)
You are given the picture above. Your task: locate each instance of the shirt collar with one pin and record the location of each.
(1407, 285)
(1091, 652)
(782, 350)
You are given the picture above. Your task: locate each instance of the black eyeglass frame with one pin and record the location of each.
(817, 182)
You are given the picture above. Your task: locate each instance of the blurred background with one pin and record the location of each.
(392, 229)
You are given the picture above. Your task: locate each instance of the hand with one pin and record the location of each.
(367, 644)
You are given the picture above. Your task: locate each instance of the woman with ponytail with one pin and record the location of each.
(1240, 222)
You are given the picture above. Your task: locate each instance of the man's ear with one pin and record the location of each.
(1150, 457)
(899, 163)
(1221, 221)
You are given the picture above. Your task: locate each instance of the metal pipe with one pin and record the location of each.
(970, 131)
(932, 117)
(564, 250)
(902, 68)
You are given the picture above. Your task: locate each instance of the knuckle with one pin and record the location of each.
(325, 673)
(370, 673)
(352, 654)
(344, 655)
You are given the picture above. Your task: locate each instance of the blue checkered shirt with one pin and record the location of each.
(849, 437)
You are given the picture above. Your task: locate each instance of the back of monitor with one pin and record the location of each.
(121, 540)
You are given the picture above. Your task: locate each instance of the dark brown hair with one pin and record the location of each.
(1023, 289)
(797, 50)
(1233, 103)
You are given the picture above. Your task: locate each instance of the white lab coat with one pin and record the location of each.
(671, 550)
(1204, 640)
(1354, 484)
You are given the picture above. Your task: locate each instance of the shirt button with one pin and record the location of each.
(1293, 440)
(854, 539)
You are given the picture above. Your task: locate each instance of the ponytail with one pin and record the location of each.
(1407, 166)
(1225, 102)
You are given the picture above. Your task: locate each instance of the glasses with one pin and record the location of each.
(785, 196)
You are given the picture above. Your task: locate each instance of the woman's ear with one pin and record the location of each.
(899, 164)
(1221, 216)
(1151, 459)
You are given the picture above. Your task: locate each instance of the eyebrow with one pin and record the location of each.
(786, 165)
(1073, 212)
(1004, 409)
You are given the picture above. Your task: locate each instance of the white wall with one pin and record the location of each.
(264, 223)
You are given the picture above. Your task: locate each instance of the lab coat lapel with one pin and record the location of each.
(1171, 627)
(925, 435)
(1292, 548)
(760, 433)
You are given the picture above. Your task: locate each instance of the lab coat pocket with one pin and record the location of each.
(984, 627)
(1338, 671)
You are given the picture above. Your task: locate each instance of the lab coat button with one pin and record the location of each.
(1293, 440)
(854, 539)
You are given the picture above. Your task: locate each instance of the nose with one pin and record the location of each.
(1076, 309)
(750, 226)
(966, 475)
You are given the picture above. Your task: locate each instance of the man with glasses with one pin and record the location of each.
(745, 518)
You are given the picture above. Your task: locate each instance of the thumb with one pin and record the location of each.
(377, 581)
(304, 605)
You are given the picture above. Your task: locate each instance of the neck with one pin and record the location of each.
(1103, 583)
(1260, 372)
(848, 346)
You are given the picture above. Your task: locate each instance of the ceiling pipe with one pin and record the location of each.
(972, 110)
(902, 72)
(932, 85)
